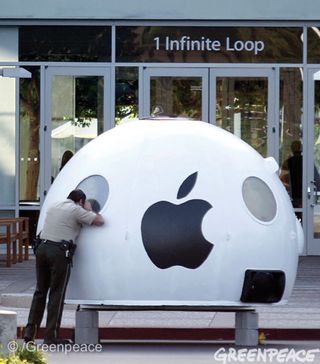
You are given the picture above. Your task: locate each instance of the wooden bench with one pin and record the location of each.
(6, 237)
(15, 231)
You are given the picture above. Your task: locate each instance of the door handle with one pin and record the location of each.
(313, 193)
(309, 192)
(309, 196)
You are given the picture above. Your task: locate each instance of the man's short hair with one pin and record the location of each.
(77, 195)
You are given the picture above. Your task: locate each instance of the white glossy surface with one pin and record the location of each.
(145, 162)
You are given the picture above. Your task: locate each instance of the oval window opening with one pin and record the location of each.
(96, 189)
(259, 199)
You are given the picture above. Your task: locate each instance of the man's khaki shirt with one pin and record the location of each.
(64, 221)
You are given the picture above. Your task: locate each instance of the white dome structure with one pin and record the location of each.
(194, 216)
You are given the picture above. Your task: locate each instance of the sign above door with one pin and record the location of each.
(209, 44)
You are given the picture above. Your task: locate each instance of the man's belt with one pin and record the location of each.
(67, 246)
(54, 242)
(51, 241)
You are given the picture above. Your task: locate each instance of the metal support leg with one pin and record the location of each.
(247, 328)
(87, 327)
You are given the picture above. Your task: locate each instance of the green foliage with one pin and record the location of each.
(13, 359)
(35, 356)
(25, 355)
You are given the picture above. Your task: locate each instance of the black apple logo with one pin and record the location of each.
(172, 233)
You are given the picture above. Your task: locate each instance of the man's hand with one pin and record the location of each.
(98, 221)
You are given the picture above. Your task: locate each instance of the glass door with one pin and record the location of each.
(244, 105)
(313, 163)
(76, 110)
(175, 92)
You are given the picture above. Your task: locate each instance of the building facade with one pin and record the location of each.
(251, 68)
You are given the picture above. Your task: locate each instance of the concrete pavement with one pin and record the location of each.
(192, 353)
(299, 319)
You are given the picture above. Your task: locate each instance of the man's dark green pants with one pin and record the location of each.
(53, 271)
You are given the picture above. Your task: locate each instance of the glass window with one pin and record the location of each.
(33, 216)
(314, 45)
(65, 43)
(126, 94)
(291, 148)
(77, 115)
(242, 104)
(259, 199)
(176, 97)
(96, 189)
(29, 136)
(7, 141)
(316, 157)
